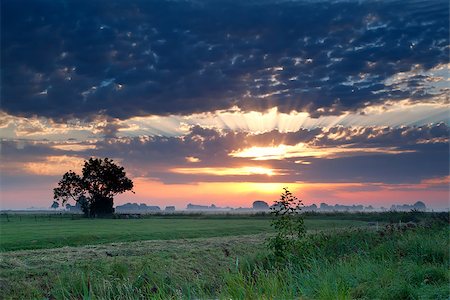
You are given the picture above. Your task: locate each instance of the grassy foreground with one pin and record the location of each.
(352, 263)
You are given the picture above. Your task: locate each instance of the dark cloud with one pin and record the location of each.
(81, 58)
(155, 156)
(383, 136)
(425, 154)
(428, 161)
(26, 151)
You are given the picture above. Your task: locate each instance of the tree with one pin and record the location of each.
(55, 205)
(260, 205)
(288, 224)
(420, 206)
(95, 189)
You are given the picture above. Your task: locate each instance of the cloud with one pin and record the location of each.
(302, 150)
(401, 168)
(443, 182)
(54, 165)
(80, 59)
(387, 114)
(377, 154)
(336, 154)
(255, 170)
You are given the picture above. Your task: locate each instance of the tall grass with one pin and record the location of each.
(357, 264)
(352, 264)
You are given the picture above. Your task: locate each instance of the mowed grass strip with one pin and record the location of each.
(31, 232)
(186, 263)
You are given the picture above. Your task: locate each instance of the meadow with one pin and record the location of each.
(20, 232)
(223, 256)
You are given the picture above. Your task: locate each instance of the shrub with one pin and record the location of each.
(288, 224)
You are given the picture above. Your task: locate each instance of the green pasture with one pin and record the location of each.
(224, 257)
(51, 231)
(342, 264)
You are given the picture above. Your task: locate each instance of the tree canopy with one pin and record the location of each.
(101, 180)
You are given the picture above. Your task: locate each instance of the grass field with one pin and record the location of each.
(220, 257)
(38, 232)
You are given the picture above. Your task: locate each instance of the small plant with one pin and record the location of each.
(288, 224)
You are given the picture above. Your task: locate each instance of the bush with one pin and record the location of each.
(288, 224)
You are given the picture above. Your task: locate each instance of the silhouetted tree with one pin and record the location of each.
(55, 205)
(94, 191)
(420, 206)
(260, 205)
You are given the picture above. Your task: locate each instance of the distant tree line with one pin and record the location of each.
(257, 205)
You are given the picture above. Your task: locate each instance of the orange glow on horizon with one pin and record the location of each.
(242, 194)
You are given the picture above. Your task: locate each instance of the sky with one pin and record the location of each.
(227, 102)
